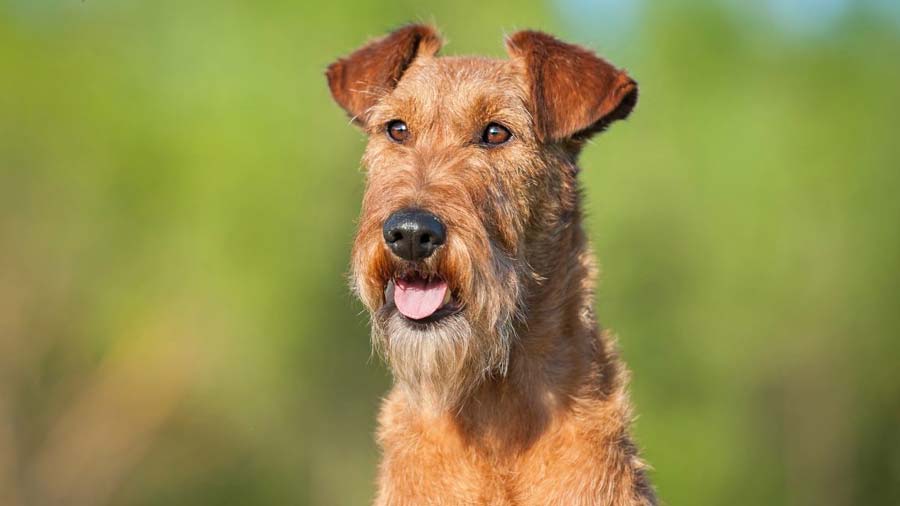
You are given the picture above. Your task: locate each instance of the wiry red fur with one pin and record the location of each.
(518, 399)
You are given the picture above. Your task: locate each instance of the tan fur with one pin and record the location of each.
(518, 399)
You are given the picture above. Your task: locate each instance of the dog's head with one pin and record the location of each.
(470, 185)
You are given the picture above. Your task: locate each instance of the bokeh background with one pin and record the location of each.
(177, 200)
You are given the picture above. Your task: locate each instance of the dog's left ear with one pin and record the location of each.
(574, 93)
(358, 81)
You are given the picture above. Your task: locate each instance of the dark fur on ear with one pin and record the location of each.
(358, 81)
(574, 93)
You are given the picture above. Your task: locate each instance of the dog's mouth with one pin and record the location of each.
(421, 298)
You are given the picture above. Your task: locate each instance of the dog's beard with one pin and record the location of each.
(439, 364)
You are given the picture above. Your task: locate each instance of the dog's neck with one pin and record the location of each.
(559, 356)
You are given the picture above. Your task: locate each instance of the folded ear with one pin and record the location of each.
(574, 93)
(359, 80)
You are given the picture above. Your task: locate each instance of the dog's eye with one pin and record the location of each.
(397, 131)
(495, 134)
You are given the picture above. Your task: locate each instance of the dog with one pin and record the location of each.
(472, 259)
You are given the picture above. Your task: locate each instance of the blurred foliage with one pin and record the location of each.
(177, 198)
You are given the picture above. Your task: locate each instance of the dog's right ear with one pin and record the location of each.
(358, 81)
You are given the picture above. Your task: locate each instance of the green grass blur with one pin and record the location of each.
(177, 199)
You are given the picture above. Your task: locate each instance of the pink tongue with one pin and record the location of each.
(418, 298)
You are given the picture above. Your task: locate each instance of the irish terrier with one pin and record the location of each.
(473, 261)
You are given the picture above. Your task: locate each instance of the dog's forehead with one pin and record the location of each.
(459, 73)
(455, 81)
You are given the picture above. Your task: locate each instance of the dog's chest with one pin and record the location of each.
(431, 465)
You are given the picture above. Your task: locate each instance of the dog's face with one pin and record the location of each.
(470, 175)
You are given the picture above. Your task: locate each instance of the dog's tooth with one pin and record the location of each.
(447, 297)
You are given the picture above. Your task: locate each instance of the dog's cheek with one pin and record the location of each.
(507, 207)
(368, 267)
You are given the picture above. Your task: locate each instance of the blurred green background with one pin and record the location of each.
(177, 199)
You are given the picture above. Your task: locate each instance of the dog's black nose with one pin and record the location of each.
(413, 234)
